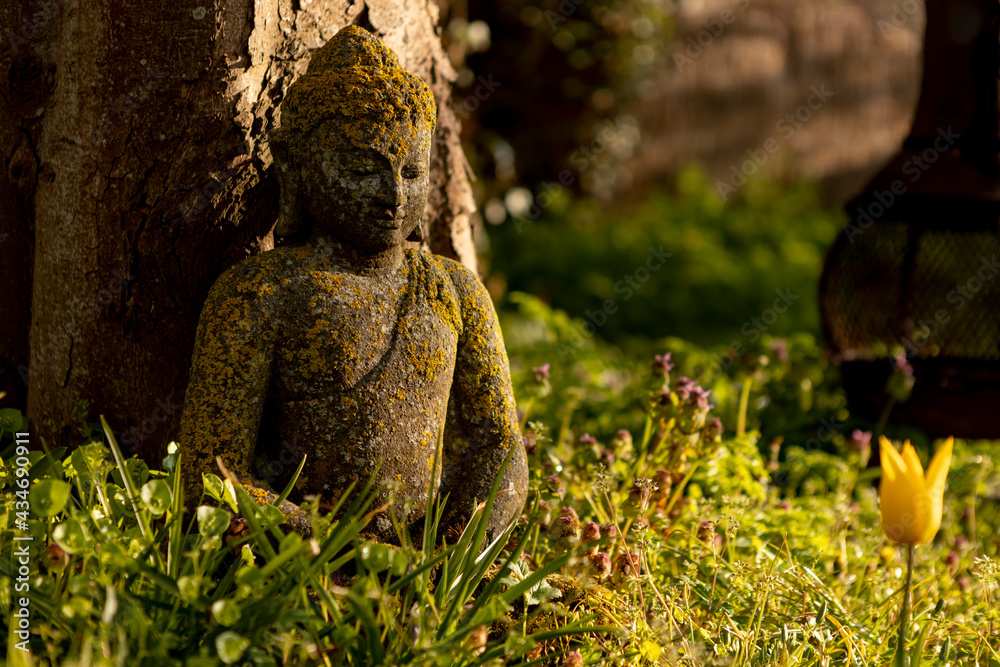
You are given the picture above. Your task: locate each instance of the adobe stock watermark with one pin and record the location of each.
(959, 297)
(901, 15)
(751, 330)
(915, 167)
(714, 27)
(786, 126)
(21, 554)
(626, 288)
(610, 133)
(565, 9)
(487, 86)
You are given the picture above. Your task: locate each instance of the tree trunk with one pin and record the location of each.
(137, 170)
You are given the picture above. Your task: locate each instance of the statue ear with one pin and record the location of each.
(418, 234)
(289, 203)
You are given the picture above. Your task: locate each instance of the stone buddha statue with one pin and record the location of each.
(350, 348)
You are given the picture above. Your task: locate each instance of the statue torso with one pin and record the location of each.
(362, 371)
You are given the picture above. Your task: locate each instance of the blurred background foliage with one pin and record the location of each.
(728, 263)
(598, 129)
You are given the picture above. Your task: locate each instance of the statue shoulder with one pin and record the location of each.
(474, 300)
(257, 277)
(466, 283)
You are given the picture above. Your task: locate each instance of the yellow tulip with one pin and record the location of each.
(912, 503)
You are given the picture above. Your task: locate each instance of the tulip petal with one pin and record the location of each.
(897, 496)
(892, 462)
(914, 467)
(937, 471)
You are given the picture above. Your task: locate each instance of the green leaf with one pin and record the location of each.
(84, 461)
(72, 536)
(650, 650)
(229, 495)
(226, 612)
(230, 646)
(290, 542)
(49, 497)
(189, 587)
(249, 575)
(375, 557)
(269, 515)
(156, 496)
(137, 470)
(11, 420)
(170, 460)
(212, 521)
(213, 486)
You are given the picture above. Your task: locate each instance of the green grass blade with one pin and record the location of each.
(364, 614)
(494, 584)
(126, 479)
(291, 482)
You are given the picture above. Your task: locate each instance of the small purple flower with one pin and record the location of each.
(663, 481)
(554, 484)
(587, 439)
(628, 565)
(779, 346)
(952, 561)
(903, 366)
(564, 527)
(541, 373)
(713, 427)
(860, 440)
(662, 365)
(601, 564)
(566, 510)
(622, 440)
(530, 444)
(591, 532)
(607, 457)
(701, 398)
(706, 529)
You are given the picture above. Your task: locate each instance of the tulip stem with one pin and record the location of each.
(741, 416)
(901, 659)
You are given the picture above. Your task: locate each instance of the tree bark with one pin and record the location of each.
(137, 170)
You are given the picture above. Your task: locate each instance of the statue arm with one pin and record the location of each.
(230, 374)
(482, 426)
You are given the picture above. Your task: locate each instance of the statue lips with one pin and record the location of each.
(388, 219)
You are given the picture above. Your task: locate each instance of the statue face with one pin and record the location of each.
(370, 198)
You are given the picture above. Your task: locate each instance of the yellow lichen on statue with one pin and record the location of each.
(356, 81)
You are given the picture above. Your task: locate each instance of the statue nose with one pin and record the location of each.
(391, 194)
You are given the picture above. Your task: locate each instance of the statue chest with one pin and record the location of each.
(348, 334)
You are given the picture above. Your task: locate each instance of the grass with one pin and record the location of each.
(653, 536)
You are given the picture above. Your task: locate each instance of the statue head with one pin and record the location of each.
(353, 150)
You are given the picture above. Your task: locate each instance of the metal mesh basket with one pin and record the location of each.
(916, 272)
